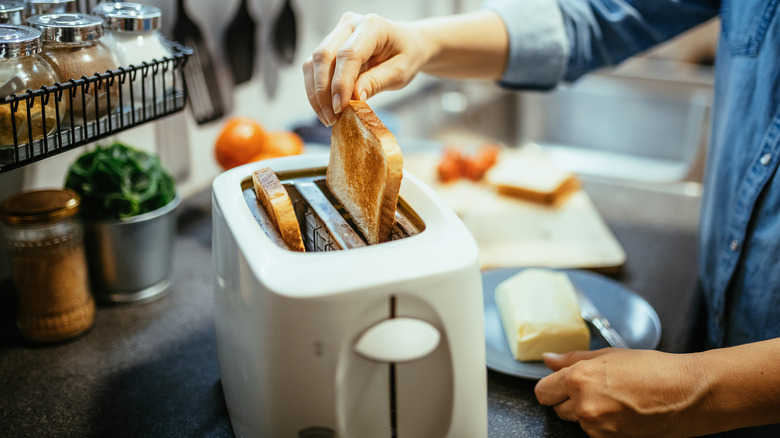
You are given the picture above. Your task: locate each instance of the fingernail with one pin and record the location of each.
(322, 119)
(363, 95)
(336, 103)
(329, 116)
(552, 356)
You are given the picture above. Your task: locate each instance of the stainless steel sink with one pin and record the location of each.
(645, 122)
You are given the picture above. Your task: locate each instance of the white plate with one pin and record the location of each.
(628, 313)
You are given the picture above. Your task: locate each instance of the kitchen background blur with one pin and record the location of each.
(644, 123)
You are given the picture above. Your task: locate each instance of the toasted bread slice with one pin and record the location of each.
(365, 170)
(278, 205)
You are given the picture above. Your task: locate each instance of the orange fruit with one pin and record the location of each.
(241, 139)
(261, 156)
(283, 143)
(280, 144)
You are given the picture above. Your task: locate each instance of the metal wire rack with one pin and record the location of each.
(162, 88)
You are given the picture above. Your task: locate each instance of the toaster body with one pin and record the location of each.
(375, 341)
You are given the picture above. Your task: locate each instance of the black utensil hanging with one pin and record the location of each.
(203, 90)
(285, 33)
(240, 44)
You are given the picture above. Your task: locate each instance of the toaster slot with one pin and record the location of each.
(262, 217)
(325, 224)
(325, 215)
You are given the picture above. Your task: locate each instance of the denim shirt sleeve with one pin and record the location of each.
(554, 40)
(538, 45)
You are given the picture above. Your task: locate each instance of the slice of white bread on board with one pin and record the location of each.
(531, 176)
(277, 204)
(365, 170)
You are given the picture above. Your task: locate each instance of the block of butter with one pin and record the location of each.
(540, 313)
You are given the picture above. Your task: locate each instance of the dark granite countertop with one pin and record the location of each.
(151, 369)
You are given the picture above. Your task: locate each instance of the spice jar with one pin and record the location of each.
(132, 32)
(45, 244)
(22, 68)
(38, 7)
(12, 12)
(71, 44)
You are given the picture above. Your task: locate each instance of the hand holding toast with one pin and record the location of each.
(362, 56)
(366, 54)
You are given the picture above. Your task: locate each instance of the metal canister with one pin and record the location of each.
(131, 259)
(45, 242)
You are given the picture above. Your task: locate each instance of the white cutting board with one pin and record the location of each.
(512, 232)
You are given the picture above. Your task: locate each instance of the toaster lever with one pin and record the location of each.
(398, 340)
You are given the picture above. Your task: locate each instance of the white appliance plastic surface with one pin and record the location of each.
(380, 341)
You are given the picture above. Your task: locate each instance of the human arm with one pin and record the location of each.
(523, 44)
(645, 393)
(367, 54)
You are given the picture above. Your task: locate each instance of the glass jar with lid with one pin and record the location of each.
(72, 45)
(45, 243)
(38, 7)
(132, 31)
(12, 12)
(22, 69)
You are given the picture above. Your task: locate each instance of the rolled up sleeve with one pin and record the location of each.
(538, 44)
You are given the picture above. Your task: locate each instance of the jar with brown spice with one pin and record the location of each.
(45, 244)
(22, 69)
(71, 44)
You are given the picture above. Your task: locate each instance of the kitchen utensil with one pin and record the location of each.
(172, 142)
(240, 37)
(270, 73)
(630, 313)
(591, 314)
(205, 97)
(346, 342)
(286, 33)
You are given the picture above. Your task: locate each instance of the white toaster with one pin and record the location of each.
(346, 340)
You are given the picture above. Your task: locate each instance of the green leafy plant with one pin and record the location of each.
(119, 181)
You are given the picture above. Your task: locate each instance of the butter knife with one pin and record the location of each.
(591, 313)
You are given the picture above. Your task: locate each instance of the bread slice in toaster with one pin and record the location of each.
(365, 170)
(277, 204)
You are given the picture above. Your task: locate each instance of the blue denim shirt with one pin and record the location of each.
(553, 41)
(739, 258)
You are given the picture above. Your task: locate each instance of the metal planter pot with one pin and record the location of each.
(130, 260)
